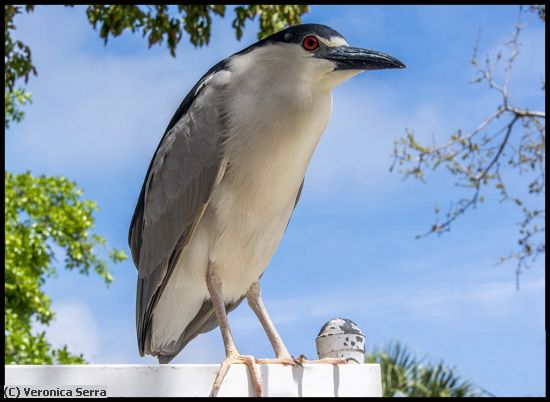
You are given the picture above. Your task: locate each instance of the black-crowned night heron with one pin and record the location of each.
(224, 182)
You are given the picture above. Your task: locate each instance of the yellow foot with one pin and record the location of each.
(327, 360)
(250, 362)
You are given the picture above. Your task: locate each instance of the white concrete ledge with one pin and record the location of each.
(196, 379)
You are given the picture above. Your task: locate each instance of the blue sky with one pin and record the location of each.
(350, 250)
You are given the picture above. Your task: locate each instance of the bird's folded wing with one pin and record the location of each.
(186, 166)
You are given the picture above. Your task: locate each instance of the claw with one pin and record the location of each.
(298, 361)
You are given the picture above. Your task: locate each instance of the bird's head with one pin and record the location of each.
(311, 53)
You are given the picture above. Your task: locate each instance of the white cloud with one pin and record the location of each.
(74, 325)
(490, 300)
(102, 128)
(444, 301)
(94, 111)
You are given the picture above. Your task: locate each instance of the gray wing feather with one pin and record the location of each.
(175, 192)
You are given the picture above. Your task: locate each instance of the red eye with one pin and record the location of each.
(310, 43)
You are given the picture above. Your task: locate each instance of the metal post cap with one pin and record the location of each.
(341, 337)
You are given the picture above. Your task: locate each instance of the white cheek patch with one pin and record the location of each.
(337, 77)
(334, 41)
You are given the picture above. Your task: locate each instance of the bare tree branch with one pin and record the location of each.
(476, 158)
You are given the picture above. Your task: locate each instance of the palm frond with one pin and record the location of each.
(404, 374)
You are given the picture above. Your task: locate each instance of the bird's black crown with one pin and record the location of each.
(296, 33)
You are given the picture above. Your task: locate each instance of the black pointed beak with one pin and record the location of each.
(354, 58)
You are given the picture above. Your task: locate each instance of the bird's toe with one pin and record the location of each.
(287, 361)
(250, 362)
(327, 360)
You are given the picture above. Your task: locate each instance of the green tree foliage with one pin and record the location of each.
(44, 214)
(404, 374)
(510, 141)
(17, 66)
(162, 22)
